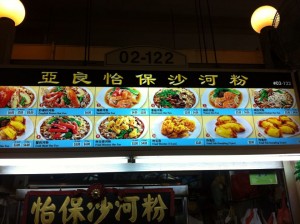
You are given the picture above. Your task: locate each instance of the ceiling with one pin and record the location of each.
(178, 24)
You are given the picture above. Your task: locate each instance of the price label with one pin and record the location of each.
(88, 112)
(134, 143)
(76, 144)
(87, 144)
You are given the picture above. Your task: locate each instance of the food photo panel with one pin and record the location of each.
(64, 131)
(66, 100)
(277, 130)
(18, 100)
(229, 130)
(174, 101)
(176, 130)
(17, 131)
(121, 101)
(225, 101)
(272, 101)
(121, 130)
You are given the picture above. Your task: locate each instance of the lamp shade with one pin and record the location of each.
(264, 16)
(12, 9)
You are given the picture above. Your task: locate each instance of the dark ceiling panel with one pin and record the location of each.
(169, 23)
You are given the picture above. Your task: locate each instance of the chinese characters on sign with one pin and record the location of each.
(135, 206)
(145, 79)
(68, 108)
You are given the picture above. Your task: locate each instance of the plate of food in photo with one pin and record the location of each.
(225, 98)
(15, 127)
(174, 98)
(176, 127)
(273, 98)
(122, 97)
(281, 126)
(17, 97)
(227, 126)
(64, 127)
(66, 97)
(121, 127)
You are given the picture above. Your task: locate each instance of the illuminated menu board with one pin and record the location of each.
(63, 108)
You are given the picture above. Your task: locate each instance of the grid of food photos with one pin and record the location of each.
(74, 116)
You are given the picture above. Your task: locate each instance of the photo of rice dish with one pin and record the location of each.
(174, 98)
(122, 97)
(16, 97)
(121, 127)
(225, 98)
(65, 128)
(66, 97)
(273, 98)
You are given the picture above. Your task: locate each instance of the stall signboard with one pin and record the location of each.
(64, 108)
(104, 205)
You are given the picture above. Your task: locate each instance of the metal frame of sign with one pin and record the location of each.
(194, 78)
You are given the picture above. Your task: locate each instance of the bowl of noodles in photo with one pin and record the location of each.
(66, 97)
(174, 98)
(64, 128)
(273, 98)
(225, 98)
(121, 127)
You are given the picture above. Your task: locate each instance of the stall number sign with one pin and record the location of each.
(128, 206)
(61, 108)
(146, 56)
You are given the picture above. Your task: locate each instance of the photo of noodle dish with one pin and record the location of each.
(121, 127)
(64, 128)
(17, 97)
(228, 126)
(273, 98)
(174, 98)
(15, 127)
(225, 98)
(282, 126)
(66, 97)
(169, 127)
(122, 97)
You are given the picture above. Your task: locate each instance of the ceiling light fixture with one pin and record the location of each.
(12, 9)
(264, 16)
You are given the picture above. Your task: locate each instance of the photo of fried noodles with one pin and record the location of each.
(65, 128)
(66, 97)
(121, 127)
(273, 98)
(225, 98)
(174, 98)
(177, 127)
(278, 127)
(16, 97)
(122, 97)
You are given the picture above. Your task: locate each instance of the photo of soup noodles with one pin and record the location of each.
(122, 97)
(225, 98)
(65, 128)
(174, 98)
(273, 98)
